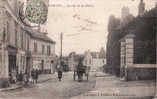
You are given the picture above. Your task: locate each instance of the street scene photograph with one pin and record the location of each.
(78, 49)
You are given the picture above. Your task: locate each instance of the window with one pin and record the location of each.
(43, 49)
(35, 47)
(8, 38)
(90, 61)
(16, 37)
(28, 44)
(48, 50)
(22, 45)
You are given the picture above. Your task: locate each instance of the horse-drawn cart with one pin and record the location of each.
(79, 71)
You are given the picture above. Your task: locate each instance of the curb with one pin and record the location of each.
(21, 86)
(102, 75)
(10, 88)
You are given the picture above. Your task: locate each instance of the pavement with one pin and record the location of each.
(52, 88)
(42, 78)
(99, 86)
(111, 87)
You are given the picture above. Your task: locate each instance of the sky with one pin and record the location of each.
(85, 27)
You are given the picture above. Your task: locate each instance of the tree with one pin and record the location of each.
(144, 28)
(113, 45)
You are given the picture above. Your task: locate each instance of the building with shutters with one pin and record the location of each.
(21, 47)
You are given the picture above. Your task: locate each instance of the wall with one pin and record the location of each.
(130, 70)
(141, 74)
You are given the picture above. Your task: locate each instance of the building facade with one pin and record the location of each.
(73, 60)
(95, 60)
(22, 48)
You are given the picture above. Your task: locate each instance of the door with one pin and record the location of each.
(42, 65)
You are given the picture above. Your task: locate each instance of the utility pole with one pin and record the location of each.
(61, 37)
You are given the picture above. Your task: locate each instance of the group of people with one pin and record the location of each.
(34, 76)
(24, 77)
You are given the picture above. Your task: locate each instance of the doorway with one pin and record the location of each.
(42, 66)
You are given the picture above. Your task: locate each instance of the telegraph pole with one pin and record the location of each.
(61, 37)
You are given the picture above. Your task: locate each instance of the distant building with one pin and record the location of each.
(141, 8)
(95, 60)
(125, 11)
(73, 60)
(126, 17)
(88, 59)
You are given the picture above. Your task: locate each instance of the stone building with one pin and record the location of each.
(126, 16)
(22, 48)
(95, 60)
(73, 60)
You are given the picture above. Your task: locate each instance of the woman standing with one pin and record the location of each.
(59, 74)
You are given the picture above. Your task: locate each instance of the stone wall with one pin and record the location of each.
(129, 70)
(141, 74)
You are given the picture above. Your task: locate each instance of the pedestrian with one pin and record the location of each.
(13, 76)
(59, 74)
(25, 78)
(33, 75)
(30, 78)
(36, 75)
(20, 77)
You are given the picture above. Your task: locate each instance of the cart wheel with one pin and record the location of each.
(74, 76)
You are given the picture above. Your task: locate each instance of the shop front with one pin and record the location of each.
(12, 67)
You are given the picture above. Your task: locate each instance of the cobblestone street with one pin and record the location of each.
(103, 86)
(110, 87)
(52, 89)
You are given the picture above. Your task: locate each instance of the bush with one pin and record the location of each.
(4, 83)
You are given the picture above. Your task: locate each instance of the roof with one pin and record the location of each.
(34, 33)
(100, 54)
(39, 35)
(94, 54)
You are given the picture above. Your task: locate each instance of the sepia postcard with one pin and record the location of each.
(78, 49)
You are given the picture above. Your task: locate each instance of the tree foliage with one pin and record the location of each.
(112, 44)
(144, 28)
